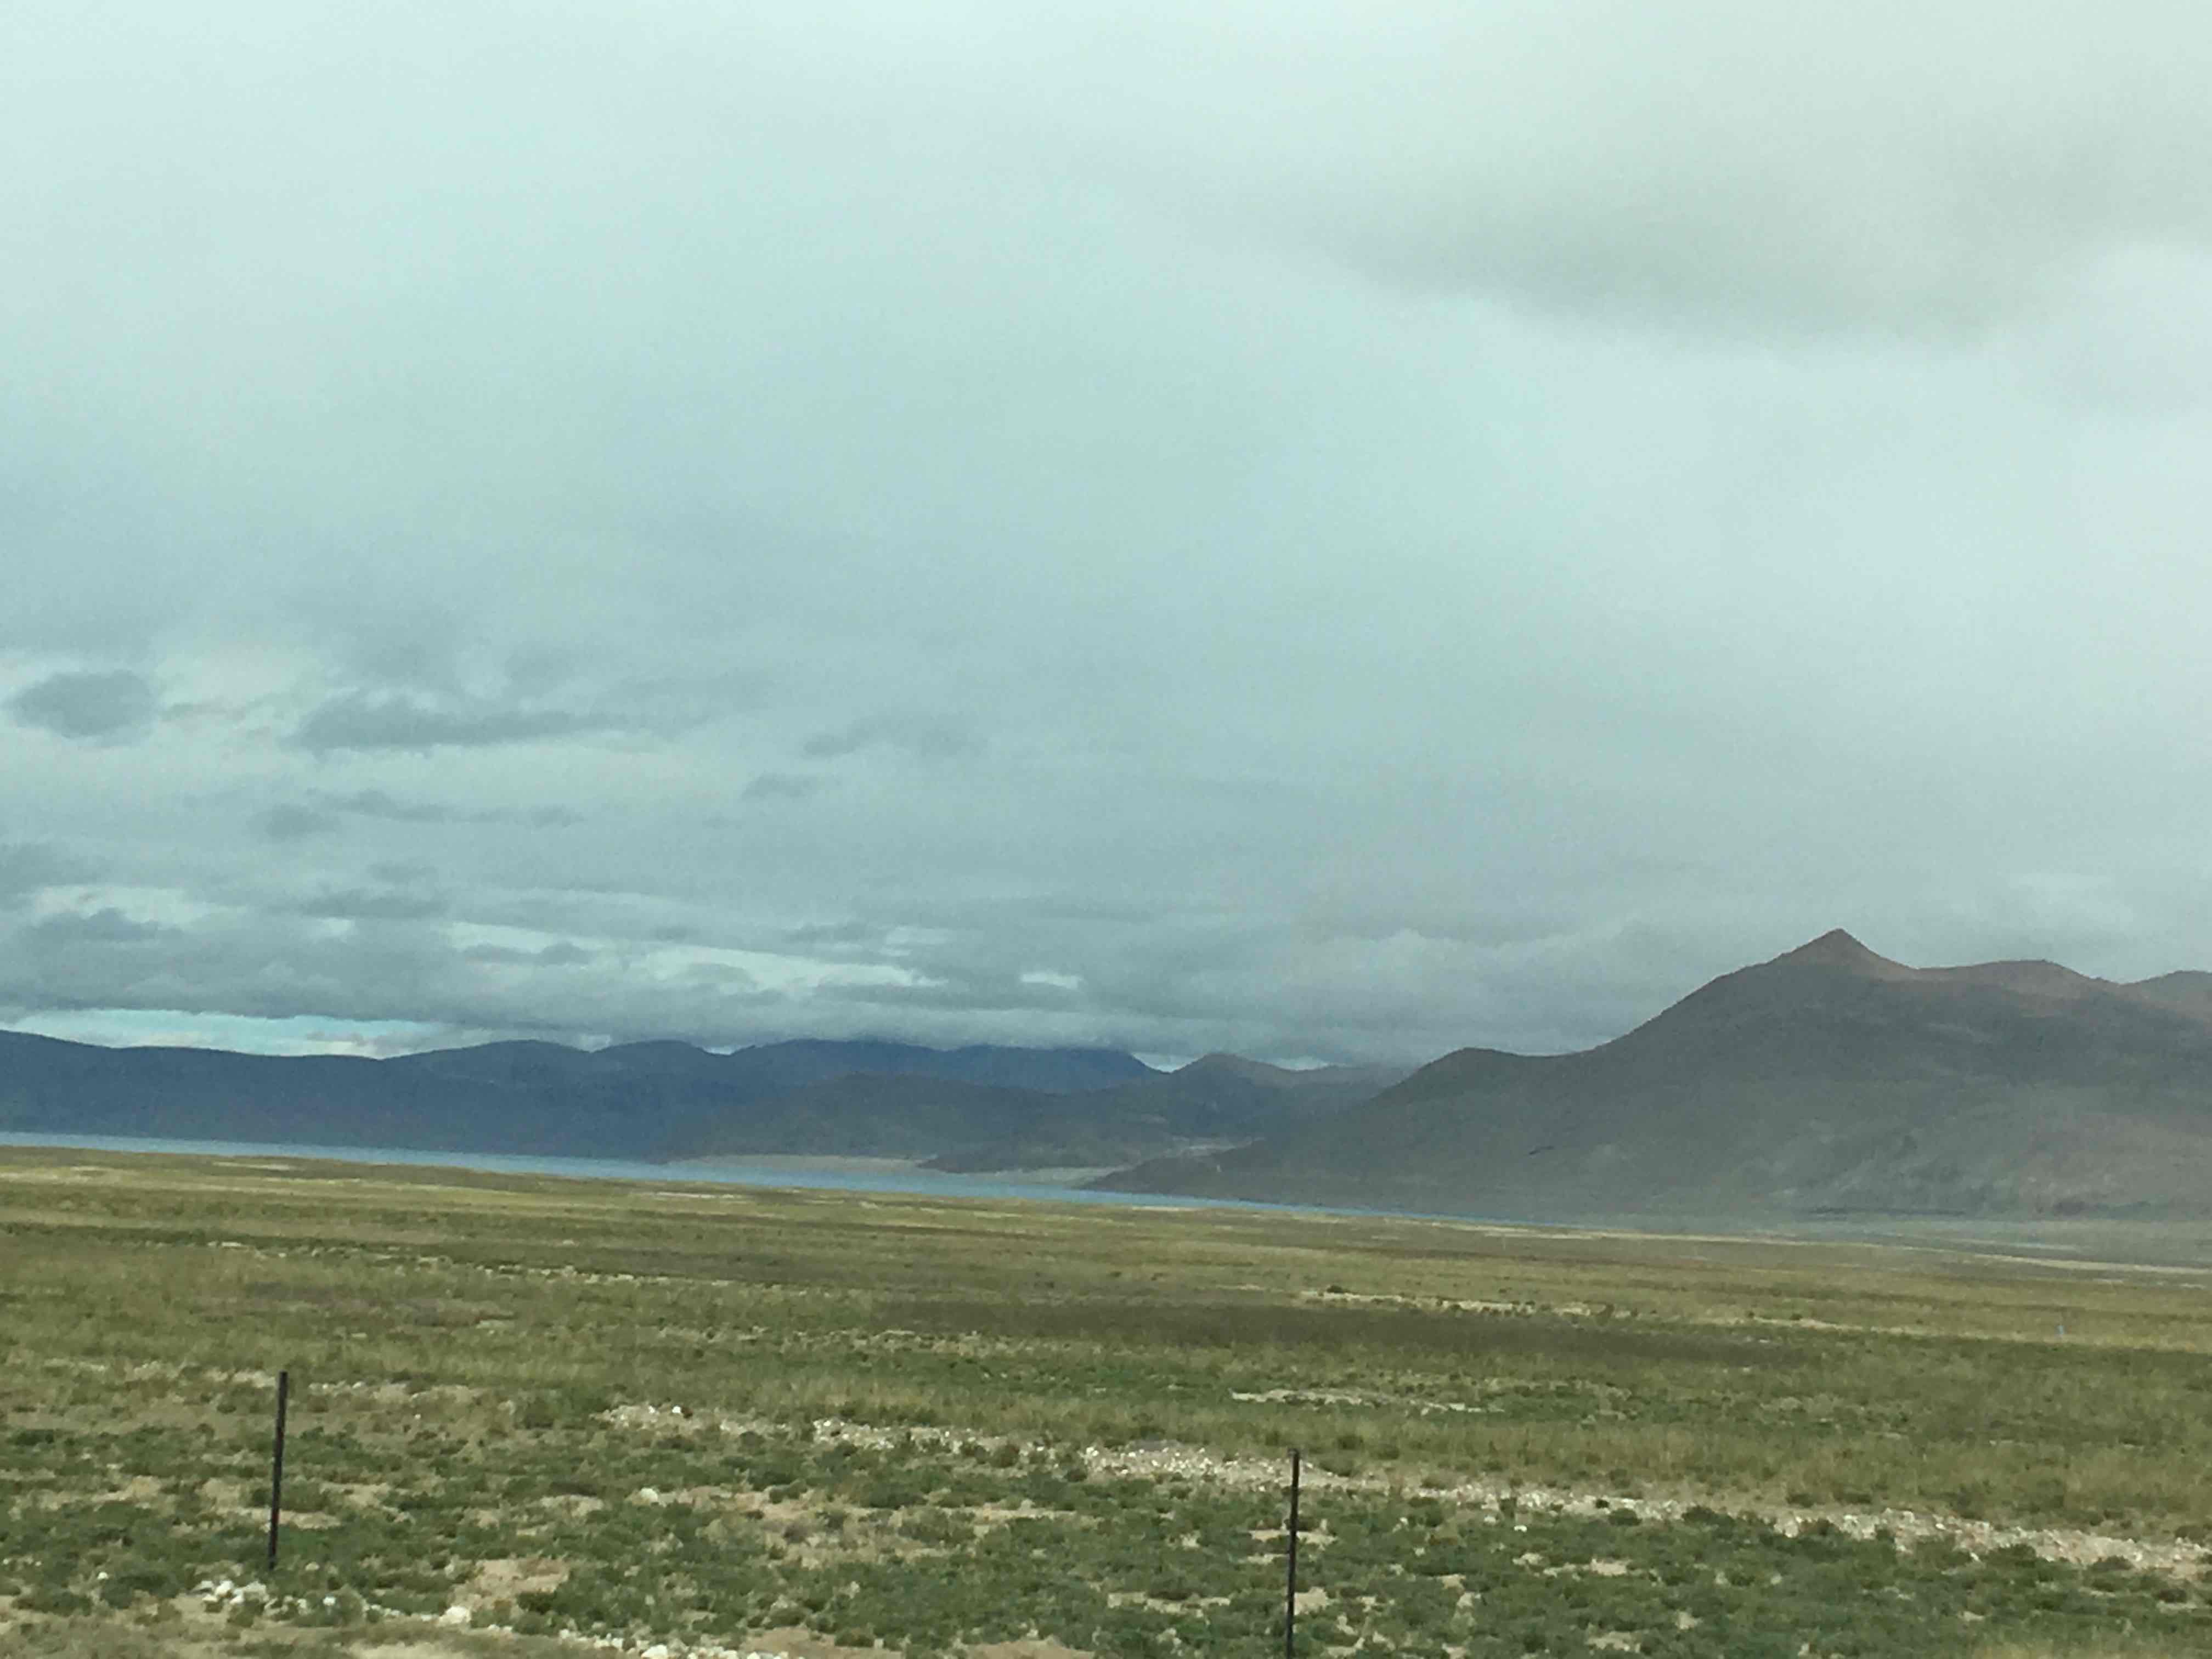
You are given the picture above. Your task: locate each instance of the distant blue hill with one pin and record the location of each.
(646, 1100)
(977, 1108)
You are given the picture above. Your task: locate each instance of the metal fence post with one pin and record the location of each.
(1290, 1555)
(276, 1467)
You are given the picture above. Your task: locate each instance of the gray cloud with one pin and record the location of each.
(782, 786)
(290, 822)
(376, 905)
(396, 720)
(98, 707)
(26, 866)
(920, 736)
(380, 804)
(834, 936)
(1929, 167)
(67, 930)
(563, 953)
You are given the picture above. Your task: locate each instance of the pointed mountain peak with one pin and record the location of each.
(1837, 949)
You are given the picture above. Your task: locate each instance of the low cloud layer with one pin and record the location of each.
(1294, 529)
(395, 721)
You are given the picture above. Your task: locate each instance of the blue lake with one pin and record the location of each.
(776, 1172)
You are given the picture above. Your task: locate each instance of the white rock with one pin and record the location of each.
(456, 1615)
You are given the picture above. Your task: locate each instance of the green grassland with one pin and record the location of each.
(528, 1412)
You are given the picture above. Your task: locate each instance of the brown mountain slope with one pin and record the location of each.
(1828, 1078)
(1216, 1101)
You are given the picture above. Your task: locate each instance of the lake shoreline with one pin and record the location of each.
(853, 1174)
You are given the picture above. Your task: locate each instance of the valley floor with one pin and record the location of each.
(532, 1416)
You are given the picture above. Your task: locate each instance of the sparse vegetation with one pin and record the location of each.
(695, 1416)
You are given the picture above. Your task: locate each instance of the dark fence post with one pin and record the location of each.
(276, 1467)
(1290, 1555)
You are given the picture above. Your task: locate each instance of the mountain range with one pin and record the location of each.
(1828, 1080)
(979, 1108)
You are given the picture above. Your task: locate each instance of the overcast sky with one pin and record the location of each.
(1323, 530)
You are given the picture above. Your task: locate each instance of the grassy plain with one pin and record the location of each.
(528, 1411)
